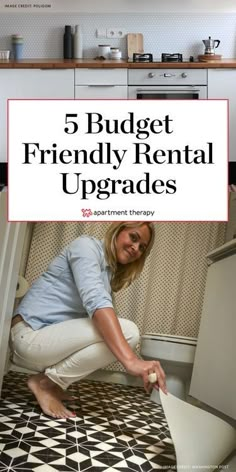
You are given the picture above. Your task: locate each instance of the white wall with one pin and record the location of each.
(163, 32)
(144, 6)
(113, 6)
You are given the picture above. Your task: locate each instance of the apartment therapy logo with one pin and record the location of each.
(105, 155)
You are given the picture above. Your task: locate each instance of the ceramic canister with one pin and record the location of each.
(104, 50)
(17, 46)
(115, 53)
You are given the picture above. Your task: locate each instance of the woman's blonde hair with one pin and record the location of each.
(124, 274)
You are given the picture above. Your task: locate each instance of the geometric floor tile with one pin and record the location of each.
(116, 429)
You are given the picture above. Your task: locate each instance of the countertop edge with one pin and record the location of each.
(113, 64)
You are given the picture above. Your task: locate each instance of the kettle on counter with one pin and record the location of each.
(210, 45)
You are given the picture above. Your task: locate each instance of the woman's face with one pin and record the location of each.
(131, 243)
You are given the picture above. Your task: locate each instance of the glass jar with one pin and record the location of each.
(115, 53)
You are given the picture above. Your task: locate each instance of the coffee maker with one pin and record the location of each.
(210, 45)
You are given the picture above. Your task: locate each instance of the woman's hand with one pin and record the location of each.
(141, 368)
(109, 328)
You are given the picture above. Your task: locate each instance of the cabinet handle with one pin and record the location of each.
(92, 68)
(222, 69)
(168, 75)
(53, 68)
(101, 85)
(163, 90)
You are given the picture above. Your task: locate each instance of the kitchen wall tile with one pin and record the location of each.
(163, 32)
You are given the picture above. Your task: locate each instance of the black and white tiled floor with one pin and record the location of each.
(116, 429)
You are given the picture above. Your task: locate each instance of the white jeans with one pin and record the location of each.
(66, 352)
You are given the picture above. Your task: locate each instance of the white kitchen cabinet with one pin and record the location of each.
(101, 91)
(101, 83)
(11, 245)
(222, 84)
(31, 83)
(213, 380)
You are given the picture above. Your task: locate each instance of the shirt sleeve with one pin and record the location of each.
(86, 262)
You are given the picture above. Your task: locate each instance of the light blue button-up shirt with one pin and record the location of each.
(76, 283)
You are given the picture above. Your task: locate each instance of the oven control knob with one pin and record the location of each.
(151, 75)
(184, 75)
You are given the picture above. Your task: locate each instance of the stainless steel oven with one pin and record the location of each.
(166, 84)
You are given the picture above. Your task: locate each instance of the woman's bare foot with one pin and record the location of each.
(47, 395)
(63, 395)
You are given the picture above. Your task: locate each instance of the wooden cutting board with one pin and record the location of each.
(134, 44)
(209, 57)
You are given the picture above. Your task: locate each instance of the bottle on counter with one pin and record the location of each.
(17, 46)
(68, 43)
(78, 43)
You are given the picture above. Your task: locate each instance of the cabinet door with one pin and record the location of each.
(101, 91)
(11, 244)
(31, 83)
(101, 77)
(100, 83)
(213, 379)
(222, 84)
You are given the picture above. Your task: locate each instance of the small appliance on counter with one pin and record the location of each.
(209, 53)
(165, 57)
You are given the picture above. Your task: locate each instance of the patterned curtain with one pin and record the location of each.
(168, 296)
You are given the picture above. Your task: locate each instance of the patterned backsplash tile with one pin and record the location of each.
(163, 32)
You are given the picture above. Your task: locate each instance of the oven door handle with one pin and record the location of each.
(161, 90)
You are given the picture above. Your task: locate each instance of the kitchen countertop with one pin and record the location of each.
(110, 64)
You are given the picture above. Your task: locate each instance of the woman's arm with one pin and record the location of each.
(107, 324)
